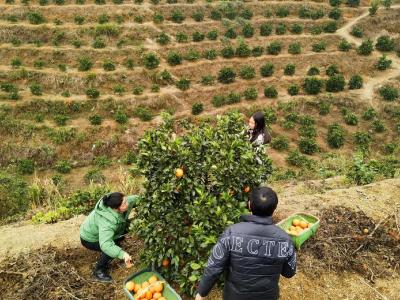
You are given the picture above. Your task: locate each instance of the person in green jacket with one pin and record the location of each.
(104, 229)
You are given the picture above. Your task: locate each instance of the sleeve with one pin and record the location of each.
(217, 262)
(289, 267)
(107, 244)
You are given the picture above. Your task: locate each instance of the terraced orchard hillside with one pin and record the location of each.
(81, 80)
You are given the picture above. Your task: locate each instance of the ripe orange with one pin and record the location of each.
(365, 230)
(292, 228)
(303, 224)
(130, 286)
(157, 295)
(152, 279)
(137, 287)
(145, 284)
(246, 189)
(158, 287)
(179, 172)
(149, 295)
(165, 263)
(162, 298)
(296, 222)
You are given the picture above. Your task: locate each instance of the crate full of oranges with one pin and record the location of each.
(149, 285)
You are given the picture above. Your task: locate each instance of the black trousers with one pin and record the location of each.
(104, 259)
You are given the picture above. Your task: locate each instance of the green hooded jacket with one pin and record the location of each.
(105, 225)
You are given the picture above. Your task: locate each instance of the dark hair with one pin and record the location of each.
(259, 128)
(263, 201)
(113, 200)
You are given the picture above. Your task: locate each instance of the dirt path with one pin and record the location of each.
(367, 92)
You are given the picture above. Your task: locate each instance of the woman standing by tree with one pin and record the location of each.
(258, 134)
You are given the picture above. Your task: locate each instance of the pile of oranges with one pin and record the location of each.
(298, 227)
(150, 289)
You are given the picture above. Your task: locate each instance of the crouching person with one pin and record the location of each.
(253, 254)
(104, 228)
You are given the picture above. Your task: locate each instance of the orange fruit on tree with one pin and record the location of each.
(165, 263)
(246, 189)
(296, 222)
(303, 224)
(157, 295)
(179, 172)
(158, 287)
(130, 286)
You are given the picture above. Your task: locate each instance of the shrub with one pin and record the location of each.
(84, 64)
(155, 88)
(174, 58)
(210, 54)
(207, 80)
(198, 15)
(369, 114)
(355, 82)
(26, 166)
(280, 29)
(308, 146)
(60, 119)
(332, 70)
(138, 90)
(183, 84)
(246, 14)
(335, 83)
(280, 143)
(344, 45)
(265, 29)
(247, 30)
(198, 36)
(336, 136)
(362, 140)
(296, 29)
(215, 15)
(14, 194)
(357, 31)
(385, 43)
(389, 148)
(365, 48)
(324, 108)
(121, 117)
(163, 39)
(151, 61)
(192, 55)
(98, 2)
(335, 2)
(383, 63)
(143, 113)
(36, 89)
(177, 16)
(232, 98)
(226, 75)
(108, 65)
(197, 170)
(158, 18)
(313, 71)
(316, 29)
(230, 33)
(295, 158)
(35, 18)
(218, 100)
(282, 12)
(330, 27)
(181, 37)
(103, 18)
(94, 176)
(335, 14)
(197, 108)
(289, 69)
(270, 115)
(378, 126)
(350, 119)
(317, 14)
(294, 48)
(389, 93)
(353, 3)
(16, 62)
(374, 7)
(293, 89)
(95, 119)
(63, 166)
(92, 93)
(243, 50)
(312, 85)
(228, 52)
(267, 70)
(257, 51)
(250, 93)
(319, 47)
(99, 43)
(212, 35)
(361, 172)
(270, 92)
(247, 72)
(274, 48)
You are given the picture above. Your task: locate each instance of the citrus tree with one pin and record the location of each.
(196, 185)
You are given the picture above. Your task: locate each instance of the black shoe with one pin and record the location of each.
(101, 275)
